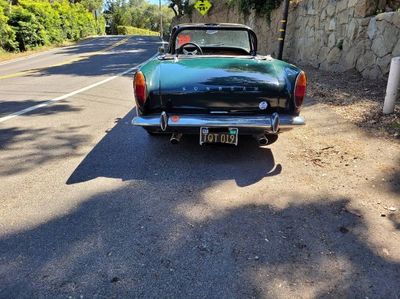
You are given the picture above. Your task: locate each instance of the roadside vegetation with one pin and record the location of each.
(35, 25)
(129, 30)
(29, 24)
(261, 7)
(129, 16)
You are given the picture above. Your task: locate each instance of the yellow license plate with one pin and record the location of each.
(211, 135)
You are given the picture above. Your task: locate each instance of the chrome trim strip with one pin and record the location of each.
(218, 121)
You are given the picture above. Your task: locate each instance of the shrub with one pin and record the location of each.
(101, 25)
(7, 34)
(48, 17)
(76, 21)
(34, 23)
(129, 30)
(28, 31)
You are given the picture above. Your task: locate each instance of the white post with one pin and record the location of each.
(393, 86)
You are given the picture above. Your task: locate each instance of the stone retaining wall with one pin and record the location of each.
(341, 35)
(335, 35)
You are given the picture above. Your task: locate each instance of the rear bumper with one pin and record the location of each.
(271, 123)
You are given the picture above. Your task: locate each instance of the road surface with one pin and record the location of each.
(91, 207)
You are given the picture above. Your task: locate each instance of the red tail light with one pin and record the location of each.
(300, 89)
(139, 84)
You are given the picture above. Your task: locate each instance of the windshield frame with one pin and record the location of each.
(178, 29)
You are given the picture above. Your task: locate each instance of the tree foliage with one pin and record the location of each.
(137, 13)
(180, 7)
(7, 34)
(129, 30)
(261, 7)
(33, 23)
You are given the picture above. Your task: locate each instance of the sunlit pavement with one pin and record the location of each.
(93, 207)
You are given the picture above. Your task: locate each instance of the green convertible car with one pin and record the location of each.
(211, 82)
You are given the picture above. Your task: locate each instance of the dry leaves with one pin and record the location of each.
(357, 99)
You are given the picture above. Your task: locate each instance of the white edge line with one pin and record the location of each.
(63, 97)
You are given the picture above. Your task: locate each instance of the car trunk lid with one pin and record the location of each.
(221, 85)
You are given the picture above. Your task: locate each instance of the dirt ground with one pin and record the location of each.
(357, 99)
(360, 134)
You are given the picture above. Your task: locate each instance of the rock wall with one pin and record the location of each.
(342, 35)
(335, 35)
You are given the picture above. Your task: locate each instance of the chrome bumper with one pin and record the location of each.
(271, 123)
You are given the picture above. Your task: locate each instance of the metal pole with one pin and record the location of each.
(282, 30)
(161, 23)
(393, 86)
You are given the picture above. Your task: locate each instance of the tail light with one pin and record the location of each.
(300, 89)
(139, 85)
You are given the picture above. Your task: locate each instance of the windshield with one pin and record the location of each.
(215, 38)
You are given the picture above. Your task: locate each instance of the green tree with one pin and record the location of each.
(92, 5)
(47, 17)
(136, 13)
(7, 34)
(179, 7)
(28, 30)
(33, 23)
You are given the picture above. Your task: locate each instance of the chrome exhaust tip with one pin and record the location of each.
(175, 138)
(262, 140)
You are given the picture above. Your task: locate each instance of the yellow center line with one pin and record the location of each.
(81, 57)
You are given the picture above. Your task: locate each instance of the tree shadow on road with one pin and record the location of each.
(12, 138)
(109, 63)
(91, 45)
(129, 153)
(17, 158)
(100, 43)
(129, 243)
(9, 107)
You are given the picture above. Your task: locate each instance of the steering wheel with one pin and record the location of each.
(182, 49)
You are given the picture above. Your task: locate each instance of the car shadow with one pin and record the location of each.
(129, 153)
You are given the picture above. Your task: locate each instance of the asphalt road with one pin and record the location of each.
(91, 207)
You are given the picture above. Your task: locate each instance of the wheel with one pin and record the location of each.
(272, 138)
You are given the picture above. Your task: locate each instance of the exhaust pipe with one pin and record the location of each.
(175, 138)
(262, 140)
